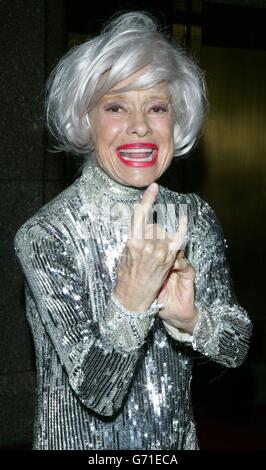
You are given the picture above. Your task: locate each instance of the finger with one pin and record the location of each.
(178, 239)
(155, 232)
(182, 263)
(140, 213)
(162, 297)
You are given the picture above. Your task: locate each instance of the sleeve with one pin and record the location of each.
(99, 362)
(223, 328)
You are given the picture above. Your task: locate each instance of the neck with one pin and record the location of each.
(104, 183)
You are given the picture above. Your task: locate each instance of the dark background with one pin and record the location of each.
(227, 169)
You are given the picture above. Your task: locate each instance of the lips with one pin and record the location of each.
(138, 155)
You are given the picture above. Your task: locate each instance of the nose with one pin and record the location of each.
(138, 124)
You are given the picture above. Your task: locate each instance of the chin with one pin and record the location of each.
(139, 183)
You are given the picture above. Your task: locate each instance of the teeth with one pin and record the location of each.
(125, 153)
(128, 154)
(146, 159)
(136, 151)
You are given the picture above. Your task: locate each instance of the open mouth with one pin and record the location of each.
(138, 155)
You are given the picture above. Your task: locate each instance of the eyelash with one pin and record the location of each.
(116, 107)
(161, 108)
(111, 107)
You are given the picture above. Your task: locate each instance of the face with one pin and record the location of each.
(133, 133)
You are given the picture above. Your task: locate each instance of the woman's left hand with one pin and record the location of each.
(177, 296)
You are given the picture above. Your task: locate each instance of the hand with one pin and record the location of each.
(177, 296)
(148, 256)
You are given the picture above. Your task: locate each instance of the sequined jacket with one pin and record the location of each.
(107, 379)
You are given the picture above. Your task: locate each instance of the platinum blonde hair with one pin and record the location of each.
(127, 44)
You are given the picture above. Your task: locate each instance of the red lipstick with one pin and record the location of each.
(138, 155)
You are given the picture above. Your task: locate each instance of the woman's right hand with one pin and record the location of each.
(148, 256)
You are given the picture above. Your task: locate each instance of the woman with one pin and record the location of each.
(114, 300)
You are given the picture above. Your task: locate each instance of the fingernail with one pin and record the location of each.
(152, 188)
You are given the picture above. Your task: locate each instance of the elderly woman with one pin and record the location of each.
(116, 299)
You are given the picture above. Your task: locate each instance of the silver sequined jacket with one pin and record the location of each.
(107, 379)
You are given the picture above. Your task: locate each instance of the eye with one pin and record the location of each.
(114, 108)
(158, 109)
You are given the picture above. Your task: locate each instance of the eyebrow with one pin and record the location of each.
(114, 96)
(122, 97)
(154, 97)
